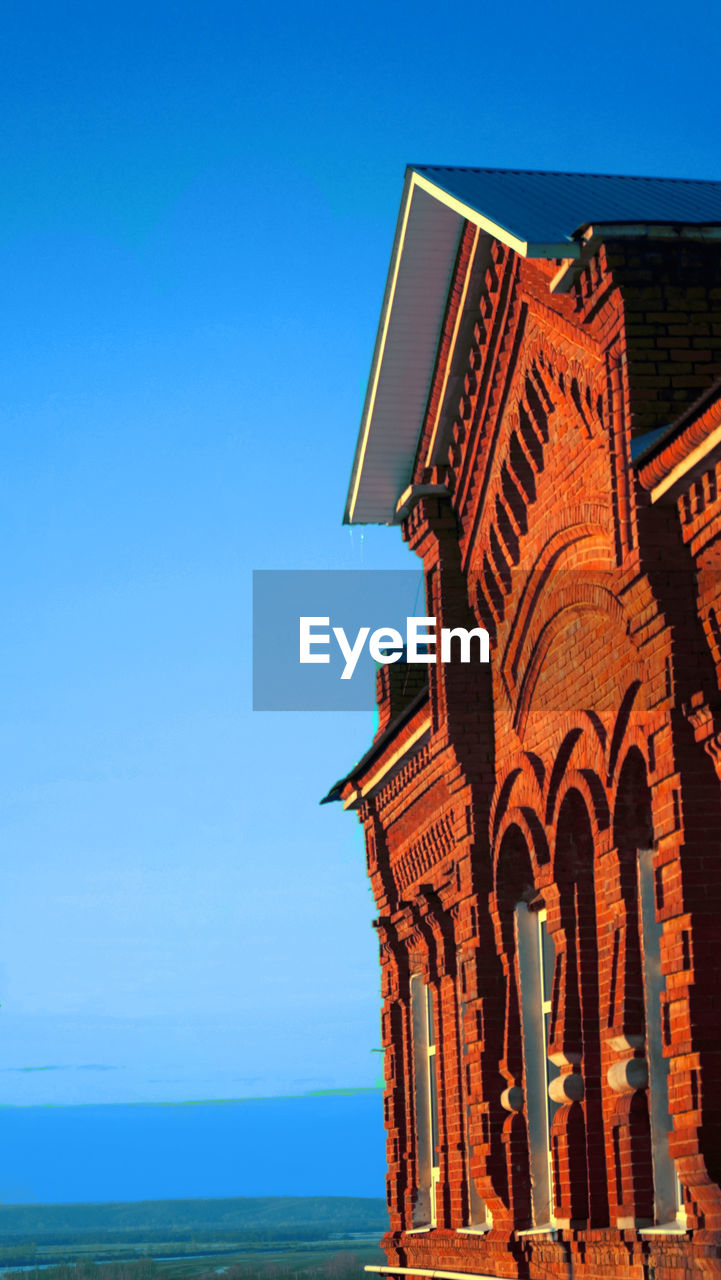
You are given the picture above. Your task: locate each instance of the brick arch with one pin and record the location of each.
(522, 784)
(526, 819)
(576, 600)
(420, 947)
(516, 870)
(588, 782)
(581, 539)
(632, 803)
(625, 1013)
(560, 765)
(502, 798)
(577, 1135)
(621, 725)
(629, 752)
(536, 793)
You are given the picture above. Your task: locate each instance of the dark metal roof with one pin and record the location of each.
(377, 747)
(543, 207)
(645, 447)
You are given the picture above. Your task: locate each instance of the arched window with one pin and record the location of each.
(524, 1067)
(638, 1024)
(577, 1137)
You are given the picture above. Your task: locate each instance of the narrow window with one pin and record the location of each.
(479, 1217)
(668, 1197)
(433, 1101)
(426, 1102)
(536, 959)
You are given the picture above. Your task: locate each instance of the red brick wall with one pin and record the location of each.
(593, 734)
(672, 301)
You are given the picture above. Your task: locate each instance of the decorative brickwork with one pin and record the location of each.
(569, 792)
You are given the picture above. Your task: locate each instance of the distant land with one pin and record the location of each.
(254, 1228)
(325, 1144)
(269, 1217)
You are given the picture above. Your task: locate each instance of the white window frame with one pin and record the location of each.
(425, 1072)
(669, 1213)
(535, 1001)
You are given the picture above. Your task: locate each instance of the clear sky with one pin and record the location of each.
(197, 213)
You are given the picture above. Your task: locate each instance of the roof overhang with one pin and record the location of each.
(683, 451)
(387, 754)
(425, 248)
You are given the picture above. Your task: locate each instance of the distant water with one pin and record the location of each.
(327, 1144)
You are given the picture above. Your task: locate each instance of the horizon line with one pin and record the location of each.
(195, 1102)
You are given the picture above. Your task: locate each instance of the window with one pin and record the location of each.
(668, 1198)
(536, 959)
(425, 1069)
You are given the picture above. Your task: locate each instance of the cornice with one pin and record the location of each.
(695, 435)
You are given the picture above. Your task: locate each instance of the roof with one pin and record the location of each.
(546, 210)
(377, 747)
(679, 453)
(538, 214)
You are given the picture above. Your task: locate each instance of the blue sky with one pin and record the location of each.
(197, 214)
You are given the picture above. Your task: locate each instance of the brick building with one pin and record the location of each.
(543, 833)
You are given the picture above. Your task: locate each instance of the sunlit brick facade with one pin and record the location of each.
(543, 833)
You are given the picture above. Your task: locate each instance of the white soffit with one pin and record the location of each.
(414, 305)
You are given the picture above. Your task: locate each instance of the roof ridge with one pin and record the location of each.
(566, 173)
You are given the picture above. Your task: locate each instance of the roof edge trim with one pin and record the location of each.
(379, 349)
(682, 468)
(599, 231)
(378, 746)
(567, 249)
